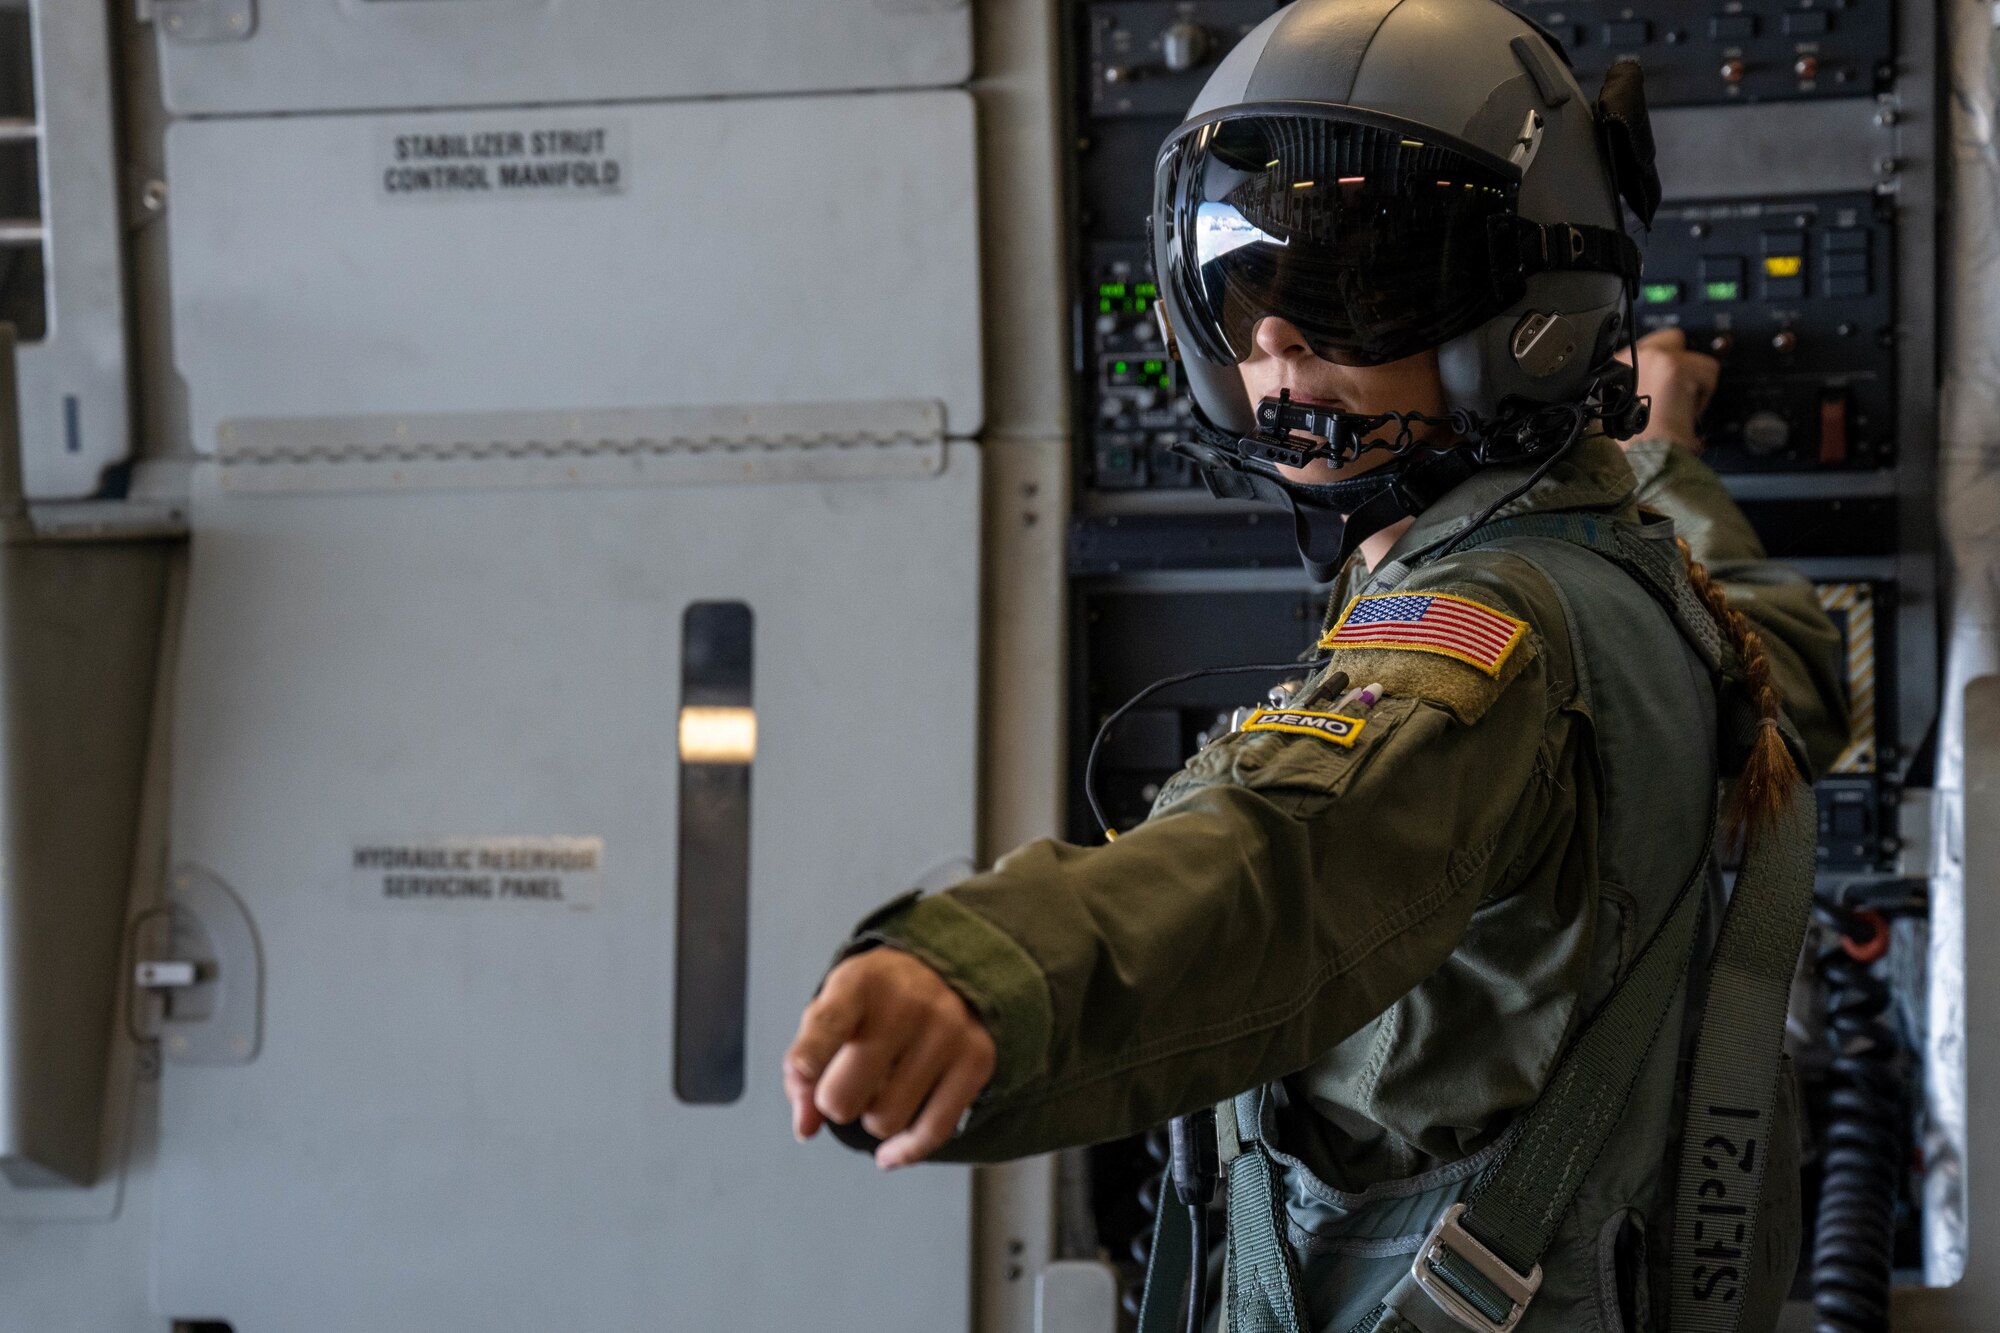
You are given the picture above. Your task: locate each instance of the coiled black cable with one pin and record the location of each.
(1866, 1139)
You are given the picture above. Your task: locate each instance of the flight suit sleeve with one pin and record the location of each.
(1807, 657)
(1287, 889)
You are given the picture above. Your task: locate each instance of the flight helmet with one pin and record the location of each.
(1395, 176)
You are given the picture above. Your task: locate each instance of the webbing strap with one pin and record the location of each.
(1515, 1207)
(1169, 1264)
(1263, 1289)
(1725, 1142)
(1732, 1092)
(1651, 561)
(1518, 1202)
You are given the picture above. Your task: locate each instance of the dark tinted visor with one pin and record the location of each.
(1376, 244)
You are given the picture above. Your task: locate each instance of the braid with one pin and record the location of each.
(1769, 775)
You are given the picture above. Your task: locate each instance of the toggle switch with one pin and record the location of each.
(1833, 428)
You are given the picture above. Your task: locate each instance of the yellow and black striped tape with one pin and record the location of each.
(1852, 607)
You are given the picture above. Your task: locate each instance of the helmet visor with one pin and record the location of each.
(1375, 243)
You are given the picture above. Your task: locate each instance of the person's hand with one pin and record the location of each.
(1681, 383)
(889, 1043)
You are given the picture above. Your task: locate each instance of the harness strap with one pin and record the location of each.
(1732, 1091)
(1512, 1211)
(1169, 1264)
(1643, 551)
(1260, 1289)
(1725, 1140)
(1480, 1266)
(1263, 1286)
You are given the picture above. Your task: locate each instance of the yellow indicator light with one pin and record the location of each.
(1783, 266)
(1302, 185)
(718, 735)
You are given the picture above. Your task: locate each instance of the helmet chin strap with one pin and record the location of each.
(1331, 519)
(1411, 488)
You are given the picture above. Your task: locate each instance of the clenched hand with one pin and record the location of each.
(889, 1043)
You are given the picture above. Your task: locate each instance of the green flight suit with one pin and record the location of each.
(1401, 931)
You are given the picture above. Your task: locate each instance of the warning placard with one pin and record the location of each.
(526, 161)
(478, 873)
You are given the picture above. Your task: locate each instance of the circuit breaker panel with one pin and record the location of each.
(1739, 51)
(1796, 244)
(1819, 303)
(1796, 295)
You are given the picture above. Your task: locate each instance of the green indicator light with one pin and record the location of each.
(1118, 367)
(1104, 306)
(1147, 290)
(1113, 289)
(1724, 291)
(1143, 304)
(1152, 367)
(1661, 293)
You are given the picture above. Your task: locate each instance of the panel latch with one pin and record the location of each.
(206, 22)
(208, 973)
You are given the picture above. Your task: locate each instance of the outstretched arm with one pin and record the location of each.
(1288, 888)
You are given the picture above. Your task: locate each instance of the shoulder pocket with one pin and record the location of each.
(1302, 756)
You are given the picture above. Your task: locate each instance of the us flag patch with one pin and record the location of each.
(1429, 622)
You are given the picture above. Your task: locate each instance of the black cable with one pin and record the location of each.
(1198, 1271)
(1097, 743)
(1867, 1148)
(1445, 546)
(1195, 1169)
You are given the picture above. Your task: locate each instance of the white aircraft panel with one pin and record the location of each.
(223, 57)
(464, 1114)
(783, 251)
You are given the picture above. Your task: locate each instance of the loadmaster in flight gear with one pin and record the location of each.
(1440, 936)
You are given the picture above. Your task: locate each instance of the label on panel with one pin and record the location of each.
(528, 160)
(472, 873)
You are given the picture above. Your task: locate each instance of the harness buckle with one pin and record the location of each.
(1452, 1267)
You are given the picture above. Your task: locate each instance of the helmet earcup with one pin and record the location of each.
(1479, 368)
